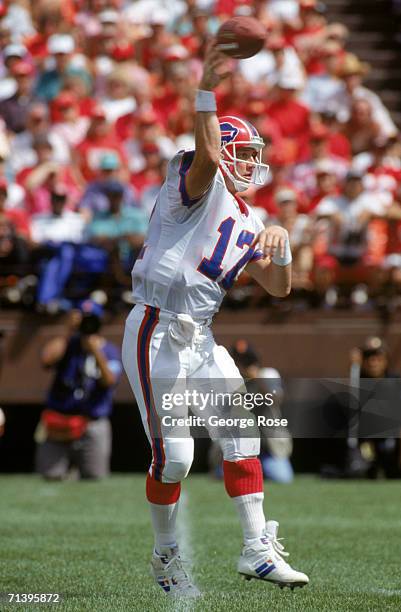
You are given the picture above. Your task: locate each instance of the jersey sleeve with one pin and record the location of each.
(180, 204)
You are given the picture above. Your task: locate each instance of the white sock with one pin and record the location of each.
(251, 515)
(164, 519)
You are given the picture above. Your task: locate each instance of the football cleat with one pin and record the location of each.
(264, 560)
(170, 574)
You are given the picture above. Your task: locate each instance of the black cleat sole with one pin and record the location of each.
(281, 585)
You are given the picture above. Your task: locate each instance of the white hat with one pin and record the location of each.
(290, 80)
(14, 50)
(285, 195)
(60, 43)
(324, 166)
(160, 17)
(2, 418)
(108, 16)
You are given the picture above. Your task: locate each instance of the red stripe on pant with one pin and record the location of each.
(148, 325)
(243, 477)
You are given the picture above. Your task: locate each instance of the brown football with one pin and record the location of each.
(241, 37)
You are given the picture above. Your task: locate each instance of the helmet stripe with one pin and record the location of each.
(245, 124)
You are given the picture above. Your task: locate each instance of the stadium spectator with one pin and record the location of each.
(326, 185)
(320, 88)
(291, 116)
(40, 179)
(119, 99)
(68, 124)
(200, 26)
(14, 110)
(59, 224)
(361, 128)
(264, 197)
(374, 363)
(152, 173)
(147, 129)
(17, 216)
(299, 228)
(22, 153)
(13, 54)
(381, 174)
(60, 47)
(95, 198)
(58, 237)
(351, 71)
(100, 139)
(350, 214)
(306, 33)
(120, 231)
(75, 424)
(339, 145)
(276, 58)
(303, 175)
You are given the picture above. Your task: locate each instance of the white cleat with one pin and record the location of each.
(264, 560)
(171, 576)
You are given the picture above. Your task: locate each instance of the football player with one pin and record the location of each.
(201, 236)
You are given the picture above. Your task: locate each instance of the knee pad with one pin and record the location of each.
(179, 454)
(235, 449)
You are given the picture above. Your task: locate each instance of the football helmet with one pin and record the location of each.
(238, 133)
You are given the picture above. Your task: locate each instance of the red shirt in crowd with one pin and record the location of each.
(227, 7)
(92, 150)
(339, 145)
(292, 117)
(20, 220)
(264, 197)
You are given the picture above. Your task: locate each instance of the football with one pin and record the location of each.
(241, 37)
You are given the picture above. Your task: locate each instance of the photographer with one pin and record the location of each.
(74, 428)
(371, 361)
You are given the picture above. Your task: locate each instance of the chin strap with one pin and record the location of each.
(239, 185)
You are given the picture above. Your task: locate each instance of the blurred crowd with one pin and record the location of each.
(97, 95)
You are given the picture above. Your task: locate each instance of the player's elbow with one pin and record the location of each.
(281, 291)
(208, 155)
(211, 161)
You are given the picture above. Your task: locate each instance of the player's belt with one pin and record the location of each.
(167, 315)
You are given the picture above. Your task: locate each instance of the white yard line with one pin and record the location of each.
(185, 544)
(183, 529)
(385, 592)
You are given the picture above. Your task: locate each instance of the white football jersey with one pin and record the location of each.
(194, 249)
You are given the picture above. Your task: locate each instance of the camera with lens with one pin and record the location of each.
(90, 324)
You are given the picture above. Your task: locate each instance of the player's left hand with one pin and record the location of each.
(217, 66)
(270, 240)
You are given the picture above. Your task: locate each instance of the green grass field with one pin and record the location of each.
(91, 542)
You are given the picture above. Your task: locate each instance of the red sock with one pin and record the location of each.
(162, 493)
(243, 477)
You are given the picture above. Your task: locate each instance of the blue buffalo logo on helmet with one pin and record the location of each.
(237, 133)
(228, 132)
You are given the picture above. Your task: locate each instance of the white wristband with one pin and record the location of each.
(205, 101)
(287, 259)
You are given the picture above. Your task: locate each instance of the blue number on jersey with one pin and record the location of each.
(244, 238)
(212, 267)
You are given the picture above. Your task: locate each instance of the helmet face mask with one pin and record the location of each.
(239, 134)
